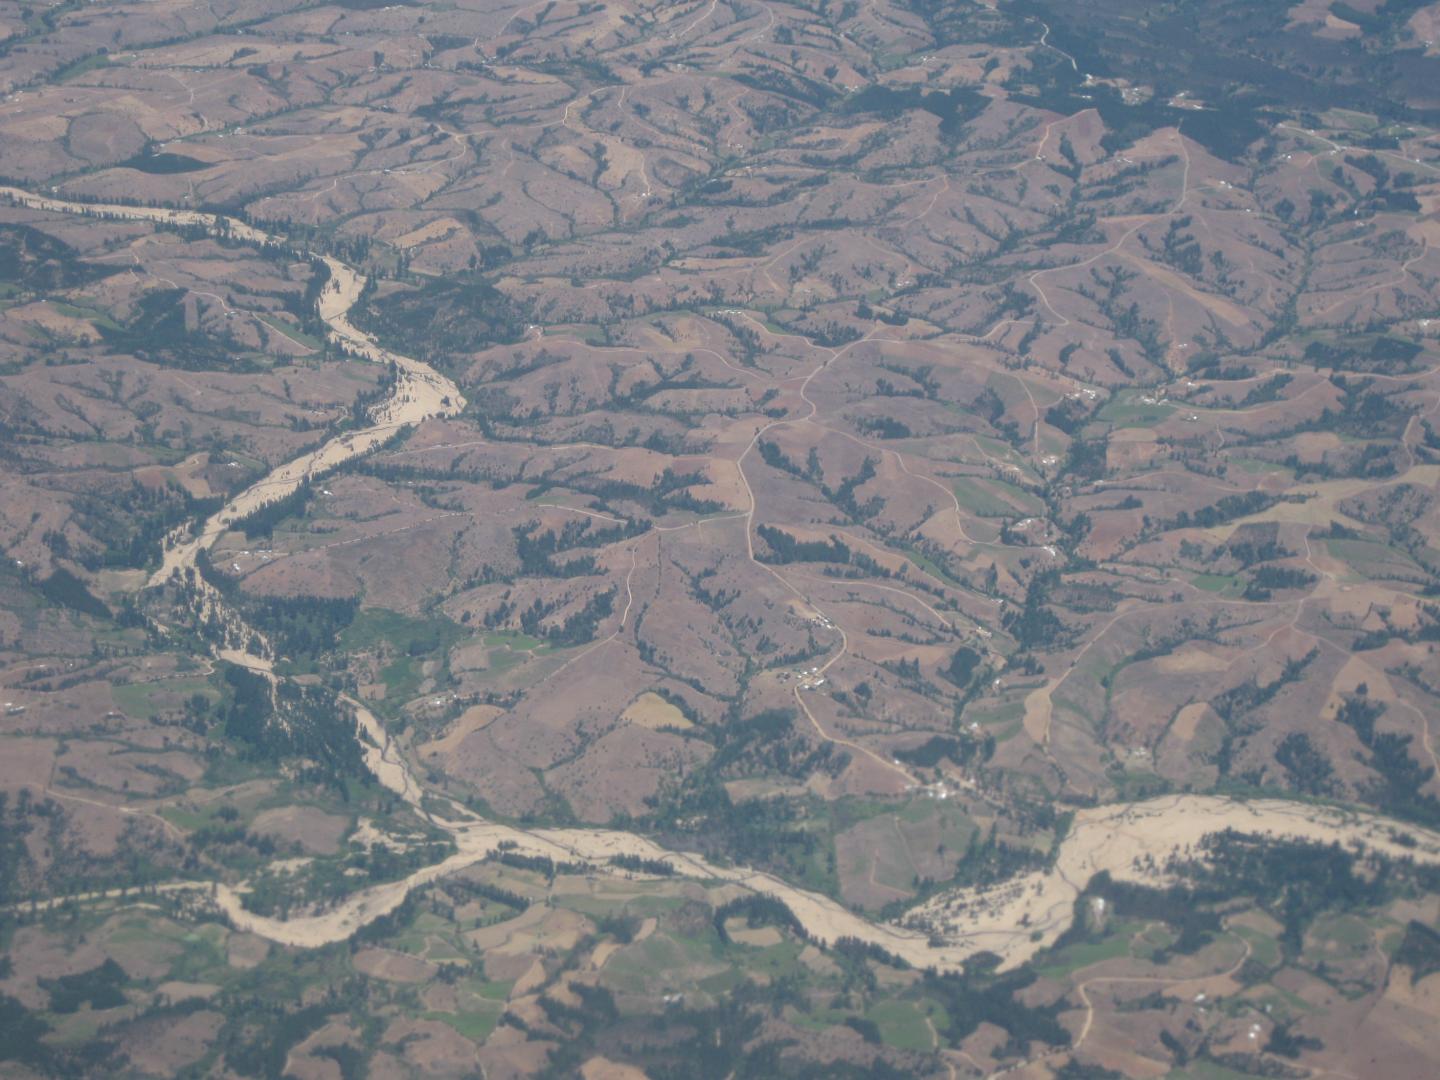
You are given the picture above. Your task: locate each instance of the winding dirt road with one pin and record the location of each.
(1015, 919)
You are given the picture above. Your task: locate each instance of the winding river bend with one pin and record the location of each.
(1014, 920)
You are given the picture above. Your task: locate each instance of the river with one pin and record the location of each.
(1014, 920)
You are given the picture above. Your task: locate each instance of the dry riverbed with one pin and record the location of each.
(1014, 920)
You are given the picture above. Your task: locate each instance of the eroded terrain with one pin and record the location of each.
(865, 459)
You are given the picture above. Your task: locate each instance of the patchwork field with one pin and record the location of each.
(727, 538)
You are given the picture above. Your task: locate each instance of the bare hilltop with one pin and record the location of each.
(720, 539)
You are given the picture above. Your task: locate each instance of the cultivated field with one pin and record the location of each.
(728, 536)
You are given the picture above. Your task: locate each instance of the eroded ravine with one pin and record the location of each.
(1015, 919)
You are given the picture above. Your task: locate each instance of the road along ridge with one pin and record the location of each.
(1015, 919)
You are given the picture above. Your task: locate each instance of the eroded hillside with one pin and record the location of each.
(842, 443)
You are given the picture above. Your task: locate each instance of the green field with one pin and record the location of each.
(1216, 582)
(374, 627)
(294, 333)
(901, 1024)
(995, 498)
(1114, 945)
(475, 1026)
(1127, 410)
(139, 700)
